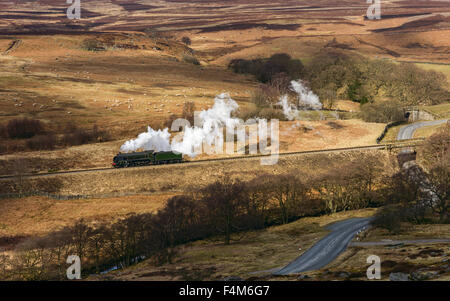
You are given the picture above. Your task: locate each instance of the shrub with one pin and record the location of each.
(248, 112)
(186, 40)
(188, 58)
(77, 136)
(266, 69)
(269, 113)
(415, 86)
(280, 63)
(261, 97)
(100, 135)
(23, 128)
(382, 112)
(93, 44)
(3, 148)
(189, 111)
(270, 93)
(42, 142)
(334, 74)
(389, 219)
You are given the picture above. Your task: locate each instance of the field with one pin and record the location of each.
(33, 216)
(126, 65)
(182, 177)
(294, 136)
(442, 110)
(428, 131)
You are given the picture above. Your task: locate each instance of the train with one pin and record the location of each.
(123, 160)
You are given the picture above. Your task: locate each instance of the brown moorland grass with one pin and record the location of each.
(293, 137)
(32, 216)
(178, 178)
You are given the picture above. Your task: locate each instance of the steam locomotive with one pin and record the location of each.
(146, 158)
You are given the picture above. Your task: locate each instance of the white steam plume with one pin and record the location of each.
(306, 98)
(305, 95)
(210, 132)
(150, 140)
(288, 110)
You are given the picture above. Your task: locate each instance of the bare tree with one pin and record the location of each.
(435, 156)
(189, 111)
(81, 233)
(289, 192)
(223, 201)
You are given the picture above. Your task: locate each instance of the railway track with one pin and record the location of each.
(389, 146)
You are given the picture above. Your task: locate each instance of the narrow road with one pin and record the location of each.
(407, 132)
(328, 248)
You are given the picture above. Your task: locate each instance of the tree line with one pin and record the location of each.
(336, 75)
(420, 194)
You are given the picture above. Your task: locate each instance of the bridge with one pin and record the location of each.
(414, 113)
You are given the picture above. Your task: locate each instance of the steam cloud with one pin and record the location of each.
(211, 131)
(288, 110)
(305, 95)
(150, 140)
(306, 98)
(213, 122)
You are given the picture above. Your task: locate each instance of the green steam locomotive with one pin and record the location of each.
(146, 158)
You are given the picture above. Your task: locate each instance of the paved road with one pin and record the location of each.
(328, 248)
(407, 131)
